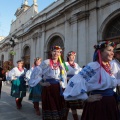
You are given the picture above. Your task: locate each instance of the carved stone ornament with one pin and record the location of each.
(35, 35)
(82, 15)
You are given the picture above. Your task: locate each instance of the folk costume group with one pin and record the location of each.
(61, 86)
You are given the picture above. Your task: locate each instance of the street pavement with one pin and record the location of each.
(8, 109)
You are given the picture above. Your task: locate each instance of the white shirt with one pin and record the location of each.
(88, 80)
(115, 66)
(15, 72)
(45, 70)
(73, 71)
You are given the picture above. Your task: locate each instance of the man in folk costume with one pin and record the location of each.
(115, 66)
(96, 78)
(18, 87)
(35, 89)
(51, 72)
(73, 68)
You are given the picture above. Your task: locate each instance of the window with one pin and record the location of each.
(113, 29)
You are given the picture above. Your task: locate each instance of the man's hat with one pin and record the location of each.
(117, 48)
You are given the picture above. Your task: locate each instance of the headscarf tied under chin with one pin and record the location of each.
(97, 53)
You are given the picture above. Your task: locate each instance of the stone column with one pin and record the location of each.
(38, 51)
(82, 48)
(74, 40)
(31, 51)
(92, 33)
(34, 46)
(67, 38)
(42, 43)
(78, 22)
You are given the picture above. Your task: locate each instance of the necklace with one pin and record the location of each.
(20, 69)
(72, 64)
(107, 68)
(54, 65)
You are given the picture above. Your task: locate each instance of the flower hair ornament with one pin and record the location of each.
(104, 45)
(71, 53)
(97, 53)
(56, 48)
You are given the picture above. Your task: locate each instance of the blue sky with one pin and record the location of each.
(8, 9)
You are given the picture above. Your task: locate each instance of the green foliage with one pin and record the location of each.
(12, 53)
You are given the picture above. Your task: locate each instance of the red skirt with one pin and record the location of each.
(53, 104)
(105, 109)
(75, 104)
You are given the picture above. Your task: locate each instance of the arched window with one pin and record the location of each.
(56, 40)
(112, 29)
(26, 57)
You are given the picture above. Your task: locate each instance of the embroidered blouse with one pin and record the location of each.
(88, 80)
(15, 72)
(73, 71)
(45, 70)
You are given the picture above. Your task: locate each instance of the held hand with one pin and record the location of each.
(45, 84)
(93, 98)
(1, 79)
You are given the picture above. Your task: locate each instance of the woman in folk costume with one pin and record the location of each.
(73, 68)
(18, 88)
(35, 90)
(53, 104)
(96, 78)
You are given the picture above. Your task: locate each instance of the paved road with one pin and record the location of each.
(8, 109)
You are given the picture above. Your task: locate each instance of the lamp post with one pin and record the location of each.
(13, 41)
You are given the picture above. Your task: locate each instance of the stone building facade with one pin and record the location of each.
(2, 37)
(73, 24)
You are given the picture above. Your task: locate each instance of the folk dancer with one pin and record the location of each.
(53, 104)
(73, 68)
(18, 87)
(97, 78)
(35, 89)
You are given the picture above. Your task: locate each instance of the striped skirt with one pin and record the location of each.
(74, 104)
(53, 104)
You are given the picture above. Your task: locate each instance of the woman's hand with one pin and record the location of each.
(93, 98)
(45, 84)
(1, 79)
